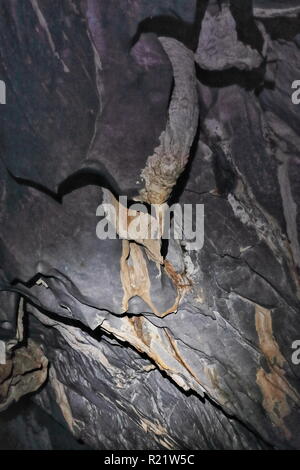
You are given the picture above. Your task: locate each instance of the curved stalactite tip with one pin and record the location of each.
(167, 163)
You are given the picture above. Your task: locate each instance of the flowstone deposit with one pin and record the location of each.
(152, 101)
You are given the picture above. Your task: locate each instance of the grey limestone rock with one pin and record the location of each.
(89, 93)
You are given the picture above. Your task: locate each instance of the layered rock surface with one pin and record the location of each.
(88, 90)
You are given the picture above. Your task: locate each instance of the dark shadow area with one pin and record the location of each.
(164, 247)
(225, 175)
(175, 27)
(282, 28)
(88, 177)
(29, 283)
(184, 177)
(79, 179)
(249, 80)
(26, 426)
(247, 30)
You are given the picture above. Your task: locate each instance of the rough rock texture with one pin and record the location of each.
(219, 47)
(23, 373)
(88, 92)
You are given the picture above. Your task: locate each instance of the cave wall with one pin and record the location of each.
(88, 91)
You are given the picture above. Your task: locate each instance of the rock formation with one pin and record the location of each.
(174, 101)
